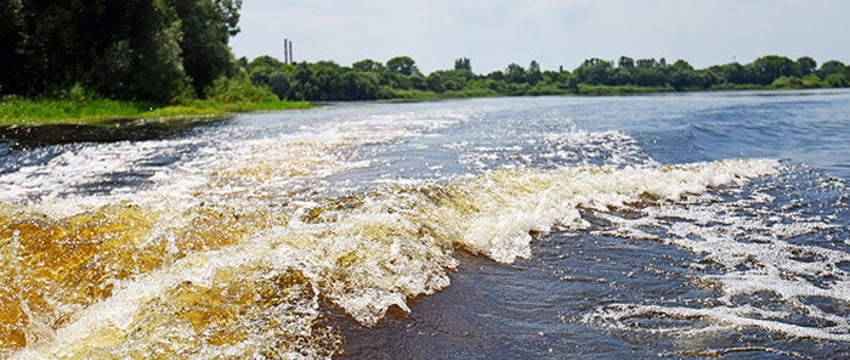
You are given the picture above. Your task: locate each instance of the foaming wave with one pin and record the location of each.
(71, 254)
(507, 204)
(240, 274)
(239, 249)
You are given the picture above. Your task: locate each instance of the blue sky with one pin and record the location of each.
(494, 33)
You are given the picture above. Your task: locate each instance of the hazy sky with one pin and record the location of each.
(495, 33)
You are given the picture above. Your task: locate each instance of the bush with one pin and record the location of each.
(78, 93)
(235, 90)
(786, 82)
(470, 93)
(837, 81)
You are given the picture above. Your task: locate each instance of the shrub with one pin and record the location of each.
(234, 90)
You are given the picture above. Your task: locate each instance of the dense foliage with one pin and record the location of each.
(134, 49)
(399, 78)
(175, 51)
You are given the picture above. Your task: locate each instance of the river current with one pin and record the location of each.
(676, 226)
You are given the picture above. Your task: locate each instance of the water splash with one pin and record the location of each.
(162, 272)
(754, 259)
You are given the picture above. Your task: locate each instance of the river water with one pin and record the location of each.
(682, 226)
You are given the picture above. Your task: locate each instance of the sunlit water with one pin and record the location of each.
(697, 225)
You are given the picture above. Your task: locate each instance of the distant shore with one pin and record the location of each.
(20, 112)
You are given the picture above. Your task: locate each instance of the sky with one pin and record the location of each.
(495, 33)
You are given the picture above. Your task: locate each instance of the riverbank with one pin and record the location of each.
(579, 90)
(16, 111)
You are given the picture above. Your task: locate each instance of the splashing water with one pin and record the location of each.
(239, 239)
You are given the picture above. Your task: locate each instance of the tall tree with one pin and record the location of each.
(594, 71)
(682, 76)
(403, 65)
(515, 73)
(771, 67)
(534, 75)
(831, 67)
(140, 49)
(463, 64)
(647, 63)
(125, 49)
(806, 66)
(142, 57)
(207, 26)
(11, 28)
(368, 65)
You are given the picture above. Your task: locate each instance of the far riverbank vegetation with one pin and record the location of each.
(100, 63)
(399, 78)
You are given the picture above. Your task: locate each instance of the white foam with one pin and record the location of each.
(512, 202)
(751, 244)
(719, 319)
(365, 252)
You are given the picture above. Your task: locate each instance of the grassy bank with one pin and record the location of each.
(17, 111)
(28, 112)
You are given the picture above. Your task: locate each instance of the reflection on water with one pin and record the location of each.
(500, 228)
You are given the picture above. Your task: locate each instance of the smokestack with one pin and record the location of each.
(291, 59)
(285, 51)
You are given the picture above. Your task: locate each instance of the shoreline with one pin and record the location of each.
(18, 113)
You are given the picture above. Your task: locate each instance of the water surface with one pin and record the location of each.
(683, 226)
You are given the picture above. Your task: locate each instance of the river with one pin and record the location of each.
(677, 225)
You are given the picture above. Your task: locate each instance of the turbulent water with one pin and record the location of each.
(680, 226)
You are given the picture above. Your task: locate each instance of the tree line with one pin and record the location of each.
(169, 51)
(158, 50)
(399, 77)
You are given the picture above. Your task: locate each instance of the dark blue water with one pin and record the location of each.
(539, 308)
(699, 225)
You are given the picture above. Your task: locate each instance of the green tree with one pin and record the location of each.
(448, 80)
(626, 62)
(830, 67)
(837, 80)
(359, 85)
(11, 28)
(463, 64)
(368, 65)
(327, 77)
(126, 49)
(302, 85)
(418, 81)
(834, 74)
(732, 73)
(274, 78)
(265, 61)
(620, 76)
(534, 75)
(137, 49)
(403, 65)
(207, 26)
(682, 76)
(143, 59)
(647, 63)
(594, 71)
(515, 73)
(768, 68)
(806, 66)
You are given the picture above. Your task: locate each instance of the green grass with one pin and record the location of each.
(16, 111)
